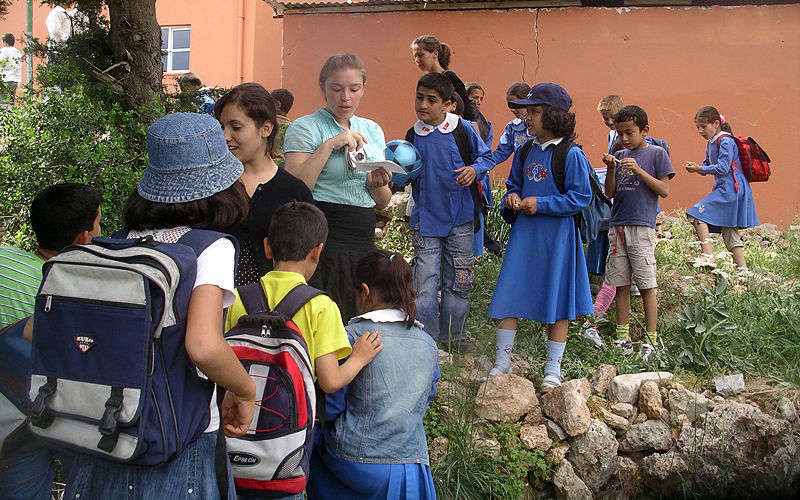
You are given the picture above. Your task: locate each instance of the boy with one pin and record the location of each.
(10, 68)
(297, 232)
(636, 177)
(442, 217)
(190, 83)
(61, 215)
(283, 102)
(608, 107)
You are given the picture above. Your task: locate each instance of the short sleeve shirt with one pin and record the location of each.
(635, 204)
(335, 184)
(319, 320)
(20, 277)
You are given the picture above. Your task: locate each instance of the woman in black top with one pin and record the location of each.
(249, 120)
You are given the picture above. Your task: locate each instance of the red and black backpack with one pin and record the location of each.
(754, 160)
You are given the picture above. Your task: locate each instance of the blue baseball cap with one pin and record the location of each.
(545, 93)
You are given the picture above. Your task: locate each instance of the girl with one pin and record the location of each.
(543, 276)
(315, 147)
(191, 182)
(249, 120)
(375, 445)
(516, 132)
(730, 205)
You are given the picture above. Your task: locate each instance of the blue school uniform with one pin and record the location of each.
(543, 276)
(515, 134)
(486, 189)
(730, 203)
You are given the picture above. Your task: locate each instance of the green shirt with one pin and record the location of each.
(335, 184)
(20, 277)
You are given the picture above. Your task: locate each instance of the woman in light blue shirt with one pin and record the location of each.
(315, 147)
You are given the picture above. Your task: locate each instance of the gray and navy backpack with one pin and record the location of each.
(110, 375)
(272, 459)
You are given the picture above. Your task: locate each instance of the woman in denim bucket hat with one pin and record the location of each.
(191, 182)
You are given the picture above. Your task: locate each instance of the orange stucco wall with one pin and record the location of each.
(670, 61)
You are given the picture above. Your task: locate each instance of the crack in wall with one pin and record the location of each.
(515, 51)
(536, 38)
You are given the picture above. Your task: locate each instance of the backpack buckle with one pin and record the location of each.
(39, 414)
(109, 421)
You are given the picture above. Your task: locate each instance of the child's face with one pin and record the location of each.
(608, 118)
(631, 135)
(708, 130)
(343, 91)
(430, 107)
(245, 140)
(425, 61)
(533, 119)
(518, 112)
(477, 96)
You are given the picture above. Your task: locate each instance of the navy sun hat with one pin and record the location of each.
(188, 159)
(545, 93)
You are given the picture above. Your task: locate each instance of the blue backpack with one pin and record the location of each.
(110, 375)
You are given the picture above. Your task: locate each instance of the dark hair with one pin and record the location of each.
(519, 89)
(295, 229)
(284, 98)
(256, 103)
(438, 83)
(459, 104)
(341, 61)
(8, 39)
(431, 44)
(561, 123)
(632, 113)
(390, 275)
(189, 79)
(709, 114)
(474, 86)
(60, 212)
(218, 212)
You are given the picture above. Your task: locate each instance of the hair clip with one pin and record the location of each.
(721, 118)
(391, 257)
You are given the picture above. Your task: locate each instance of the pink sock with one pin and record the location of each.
(604, 298)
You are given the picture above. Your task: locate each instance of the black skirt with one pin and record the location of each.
(351, 235)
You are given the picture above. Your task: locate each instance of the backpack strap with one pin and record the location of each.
(253, 298)
(734, 165)
(410, 135)
(558, 164)
(465, 151)
(296, 299)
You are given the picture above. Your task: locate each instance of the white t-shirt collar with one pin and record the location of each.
(718, 135)
(551, 142)
(447, 126)
(383, 316)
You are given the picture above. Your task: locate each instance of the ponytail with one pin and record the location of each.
(390, 275)
(444, 56)
(709, 114)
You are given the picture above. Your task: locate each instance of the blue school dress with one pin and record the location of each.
(730, 203)
(543, 276)
(486, 188)
(515, 134)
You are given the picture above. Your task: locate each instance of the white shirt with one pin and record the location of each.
(11, 64)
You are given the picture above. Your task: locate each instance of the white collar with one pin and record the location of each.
(448, 125)
(516, 121)
(718, 135)
(553, 142)
(383, 316)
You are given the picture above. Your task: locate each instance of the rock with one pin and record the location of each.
(627, 470)
(639, 418)
(594, 454)
(686, 402)
(505, 398)
(520, 365)
(625, 410)
(449, 391)
(787, 409)
(664, 417)
(616, 422)
(445, 357)
(568, 485)
(602, 379)
(555, 431)
(649, 435)
(730, 385)
(535, 416)
(650, 399)
(558, 453)
(682, 421)
(466, 360)
(534, 437)
(566, 405)
(718, 400)
(488, 446)
(379, 233)
(662, 467)
(625, 388)
(437, 448)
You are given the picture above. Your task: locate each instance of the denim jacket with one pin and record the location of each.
(385, 403)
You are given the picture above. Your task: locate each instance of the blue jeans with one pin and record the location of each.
(447, 260)
(27, 475)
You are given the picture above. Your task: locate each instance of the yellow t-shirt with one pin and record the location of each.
(319, 320)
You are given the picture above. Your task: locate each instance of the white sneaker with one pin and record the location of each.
(550, 382)
(635, 290)
(647, 350)
(705, 261)
(626, 346)
(592, 334)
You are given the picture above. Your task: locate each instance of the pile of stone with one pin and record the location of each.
(625, 435)
(396, 208)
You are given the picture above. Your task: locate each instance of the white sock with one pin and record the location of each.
(502, 358)
(555, 351)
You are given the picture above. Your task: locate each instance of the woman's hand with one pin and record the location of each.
(349, 138)
(513, 201)
(378, 178)
(693, 167)
(237, 414)
(528, 205)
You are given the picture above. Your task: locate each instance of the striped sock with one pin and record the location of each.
(651, 338)
(623, 333)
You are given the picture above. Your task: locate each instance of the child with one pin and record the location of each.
(249, 120)
(608, 107)
(284, 100)
(442, 226)
(368, 452)
(10, 69)
(516, 132)
(543, 231)
(191, 84)
(636, 177)
(296, 235)
(192, 181)
(730, 205)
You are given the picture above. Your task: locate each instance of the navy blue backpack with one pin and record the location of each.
(110, 375)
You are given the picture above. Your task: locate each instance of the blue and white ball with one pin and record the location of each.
(406, 155)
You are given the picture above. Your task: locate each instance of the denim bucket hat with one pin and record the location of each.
(188, 159)
(545, 93)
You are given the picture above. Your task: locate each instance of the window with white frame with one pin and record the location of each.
(175, 48)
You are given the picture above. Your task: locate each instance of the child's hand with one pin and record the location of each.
(610, 160)
(513, 201)
(465, 175)
(378, 178)
(366, 348)
(528, 205)
(237, 414)
(693, 167)
(631, 165)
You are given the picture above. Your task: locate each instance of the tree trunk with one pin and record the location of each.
(136, 39)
